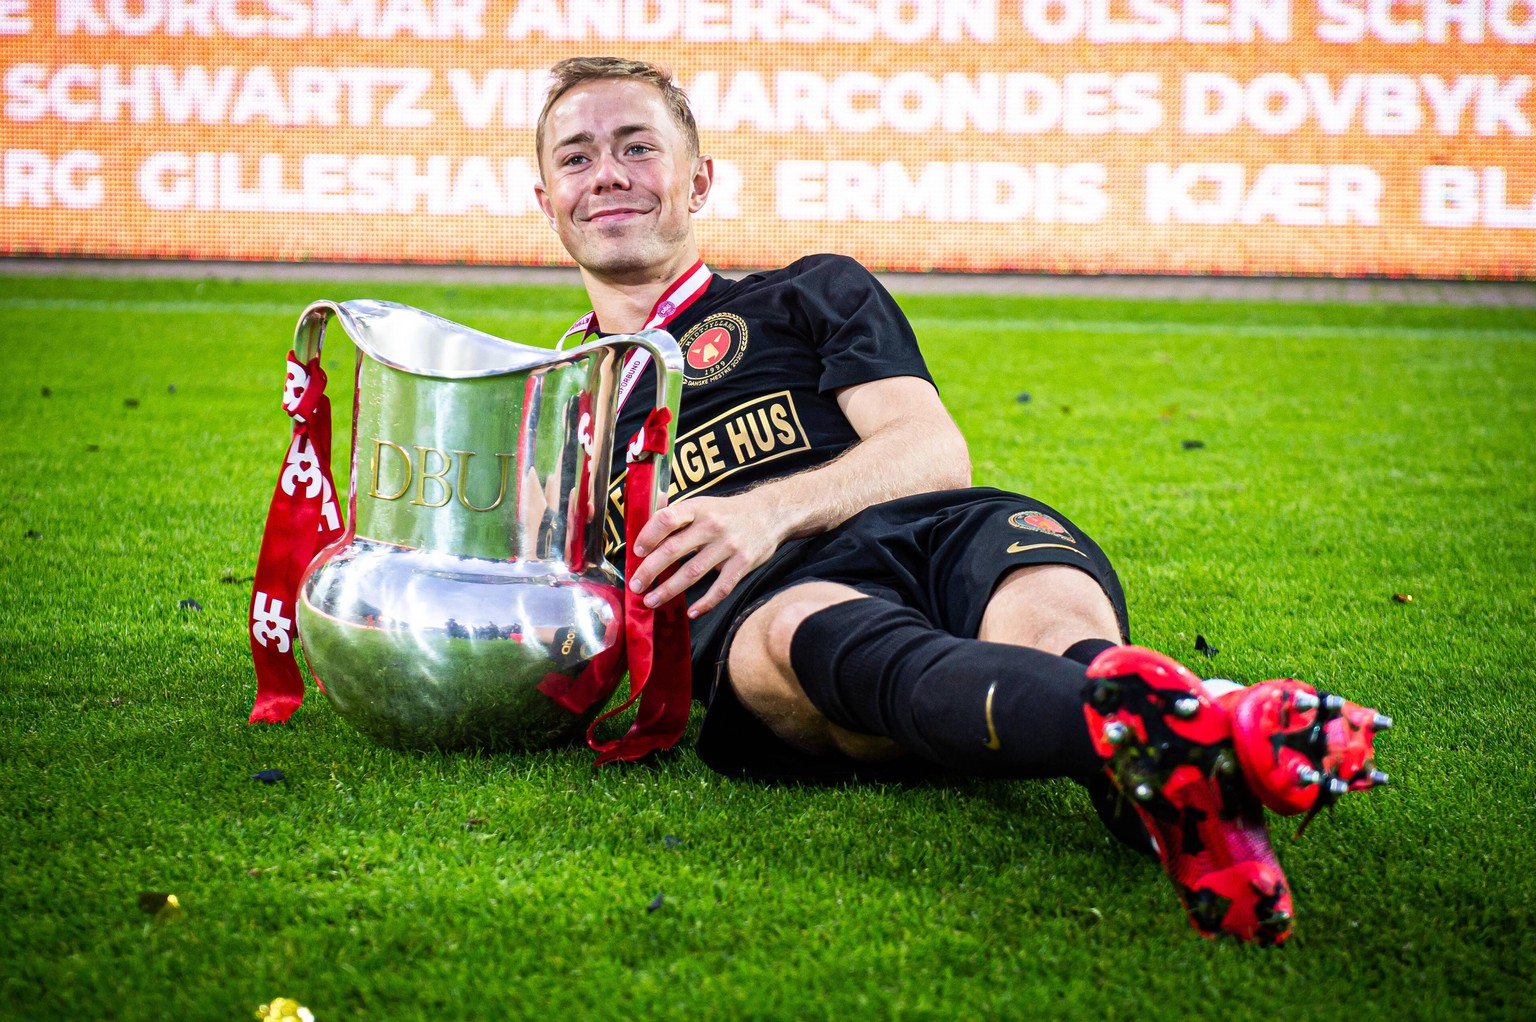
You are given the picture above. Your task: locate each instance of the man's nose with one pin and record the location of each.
(609, 172)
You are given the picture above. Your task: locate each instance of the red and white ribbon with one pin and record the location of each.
(302, 520)
(680, 294)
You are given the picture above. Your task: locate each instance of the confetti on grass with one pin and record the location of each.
(656, 902)
(1193, 445)
(284, 1009)
(1201, 646)
(1402, 597)
(34, 534)
(1023, 398)
(671, 841)
(130, 402)
(268, 776)
(190, 604)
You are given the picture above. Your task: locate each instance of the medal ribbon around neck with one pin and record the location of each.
(656, 641)
(682, 292)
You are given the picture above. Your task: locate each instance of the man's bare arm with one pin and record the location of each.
(908, 444)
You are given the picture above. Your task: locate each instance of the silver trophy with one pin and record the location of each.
(471, 582)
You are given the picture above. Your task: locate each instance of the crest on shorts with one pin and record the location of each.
(712, 349)
(1036, 521)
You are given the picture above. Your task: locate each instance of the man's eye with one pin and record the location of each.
(572, 160)
(636, 147)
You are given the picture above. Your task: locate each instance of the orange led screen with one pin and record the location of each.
(1327, 137)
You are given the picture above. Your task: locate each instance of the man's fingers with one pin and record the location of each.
(670, 542)
(730, 576)
(662, 524)
(687, 573)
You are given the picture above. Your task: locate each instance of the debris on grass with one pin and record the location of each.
(34, 534)
(1193, 445)
(92, 448)
(229, 578)
(171, 389)
(47, 392)
(268, 776)
(1402, 597)
(1201, 646)
(284, 1009)
(190, 604)
(130, 402)
(116, 701)
(670, 840)
(1168, 412)
(165, 907)
(656, 902)
(471, 822)
(1023, 398)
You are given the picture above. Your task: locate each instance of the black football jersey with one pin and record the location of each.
(763, 358)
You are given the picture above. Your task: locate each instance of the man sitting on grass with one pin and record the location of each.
(856, 609)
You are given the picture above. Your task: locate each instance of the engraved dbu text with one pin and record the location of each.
(433, 477)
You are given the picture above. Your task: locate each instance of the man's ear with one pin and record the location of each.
(542, 195)
(703, 181)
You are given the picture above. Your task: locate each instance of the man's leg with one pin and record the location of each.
(1053, 608)
(871, 679)
(764, 679)
(830, 669)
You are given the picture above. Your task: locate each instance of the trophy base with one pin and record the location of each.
(420, 650)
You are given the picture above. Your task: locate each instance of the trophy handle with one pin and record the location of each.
(310, 331)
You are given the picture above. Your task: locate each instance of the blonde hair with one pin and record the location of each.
(574, 71)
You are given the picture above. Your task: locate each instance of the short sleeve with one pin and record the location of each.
(859, 331)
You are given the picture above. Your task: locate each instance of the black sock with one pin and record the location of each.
(1085, 650)
(1117, 815)
(878, 668)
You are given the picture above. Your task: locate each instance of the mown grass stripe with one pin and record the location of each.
(1167, 328)
(1174, 328)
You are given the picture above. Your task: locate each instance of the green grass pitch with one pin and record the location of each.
(1349, 453)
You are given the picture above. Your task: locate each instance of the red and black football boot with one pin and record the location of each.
(1300, 749)
(1168, 748)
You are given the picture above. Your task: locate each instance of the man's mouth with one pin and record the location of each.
(615, 214)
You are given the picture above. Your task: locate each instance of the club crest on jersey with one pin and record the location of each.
(1035, 521)
(712, 349)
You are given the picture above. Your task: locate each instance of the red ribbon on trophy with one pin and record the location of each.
(655, 641)
(302, 520)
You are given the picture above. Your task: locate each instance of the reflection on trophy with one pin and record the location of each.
(470, 584)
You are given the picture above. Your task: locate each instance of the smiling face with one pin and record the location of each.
(620, 181)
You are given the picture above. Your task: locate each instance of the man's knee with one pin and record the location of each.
(1049, 607)
(761, 673)
(783, 614)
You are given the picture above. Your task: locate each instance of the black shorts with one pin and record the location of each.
(941, 554)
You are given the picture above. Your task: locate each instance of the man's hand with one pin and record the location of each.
(734, 534)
